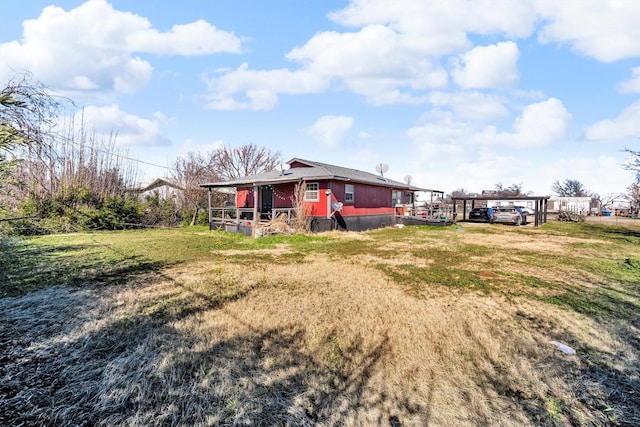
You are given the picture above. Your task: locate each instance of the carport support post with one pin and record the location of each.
(254, 224)
(210, 208)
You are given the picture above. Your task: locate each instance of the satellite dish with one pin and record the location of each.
(337, 206)
(381, 168)
(283, 167)
(408, 179)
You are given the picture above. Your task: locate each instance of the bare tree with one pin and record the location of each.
(27, 111)
(634, 197)
(235, 162)
(190, 172)
(27, 115)
(513, 190)
(570, 188)
(460, 192)
(633, 163)
(301, 220)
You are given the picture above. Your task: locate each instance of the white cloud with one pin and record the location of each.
(442, 137)
(492, 66)
(197, 38)
(446, 137)
(330, 130)
(542, 124)
(626, 125)
(93, 47)
(471, 105)
(260, 88)
(394, 54)
(129, 130)
(442, 25)
(602, 175)
(607, 30)
(373, 61)
(633, 84)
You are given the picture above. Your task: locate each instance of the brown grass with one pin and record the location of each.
(327, 341)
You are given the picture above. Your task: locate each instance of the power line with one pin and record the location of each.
(115, 154)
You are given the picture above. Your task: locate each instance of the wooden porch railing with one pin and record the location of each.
(230, 217)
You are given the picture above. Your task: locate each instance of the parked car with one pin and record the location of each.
(527, 211)
(509, 215)
(480, 214)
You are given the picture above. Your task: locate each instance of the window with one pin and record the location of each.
(312, 192)
(396, 197)
(349, 195)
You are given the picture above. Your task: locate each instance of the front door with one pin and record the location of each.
(266, 201)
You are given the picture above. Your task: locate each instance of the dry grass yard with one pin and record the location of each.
(418, 326)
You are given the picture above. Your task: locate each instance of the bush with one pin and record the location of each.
(162, 212)
(69, 214)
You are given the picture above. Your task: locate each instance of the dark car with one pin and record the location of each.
(480, 214)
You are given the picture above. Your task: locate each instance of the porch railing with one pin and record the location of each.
(231, 218)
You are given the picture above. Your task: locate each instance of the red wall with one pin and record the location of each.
(244, 197)
(369, 200)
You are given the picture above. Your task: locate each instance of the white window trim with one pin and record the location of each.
(308, 193)
(352, 192)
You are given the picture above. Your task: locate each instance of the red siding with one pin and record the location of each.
(283, 195)
(244, 197)
(368, 200)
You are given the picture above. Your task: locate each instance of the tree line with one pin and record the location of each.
(58, 176)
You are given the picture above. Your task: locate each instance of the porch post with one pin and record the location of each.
(254, 225)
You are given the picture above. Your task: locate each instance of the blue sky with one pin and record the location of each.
(454, 93)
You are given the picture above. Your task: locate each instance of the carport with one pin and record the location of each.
(540, 205)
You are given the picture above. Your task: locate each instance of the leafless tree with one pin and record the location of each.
(634, 196)
(249, 159)
(190, 172)
(570, 188)
(27, 115)
(602, 201)
(460, 192)
(301, 220)
(513, 190)
(632, 163)
(27, 112)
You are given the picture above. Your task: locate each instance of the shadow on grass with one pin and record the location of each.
(604, 382)
(142, 369)
(25, 268)
(606, 392)
(608, 231)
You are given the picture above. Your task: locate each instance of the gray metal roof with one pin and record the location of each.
(314, 171)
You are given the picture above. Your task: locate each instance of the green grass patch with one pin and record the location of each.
(417, 280)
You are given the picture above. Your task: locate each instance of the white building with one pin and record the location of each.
(579, 205)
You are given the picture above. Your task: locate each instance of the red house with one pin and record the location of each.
(333, 197)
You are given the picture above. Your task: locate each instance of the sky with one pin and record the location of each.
(450, 94)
